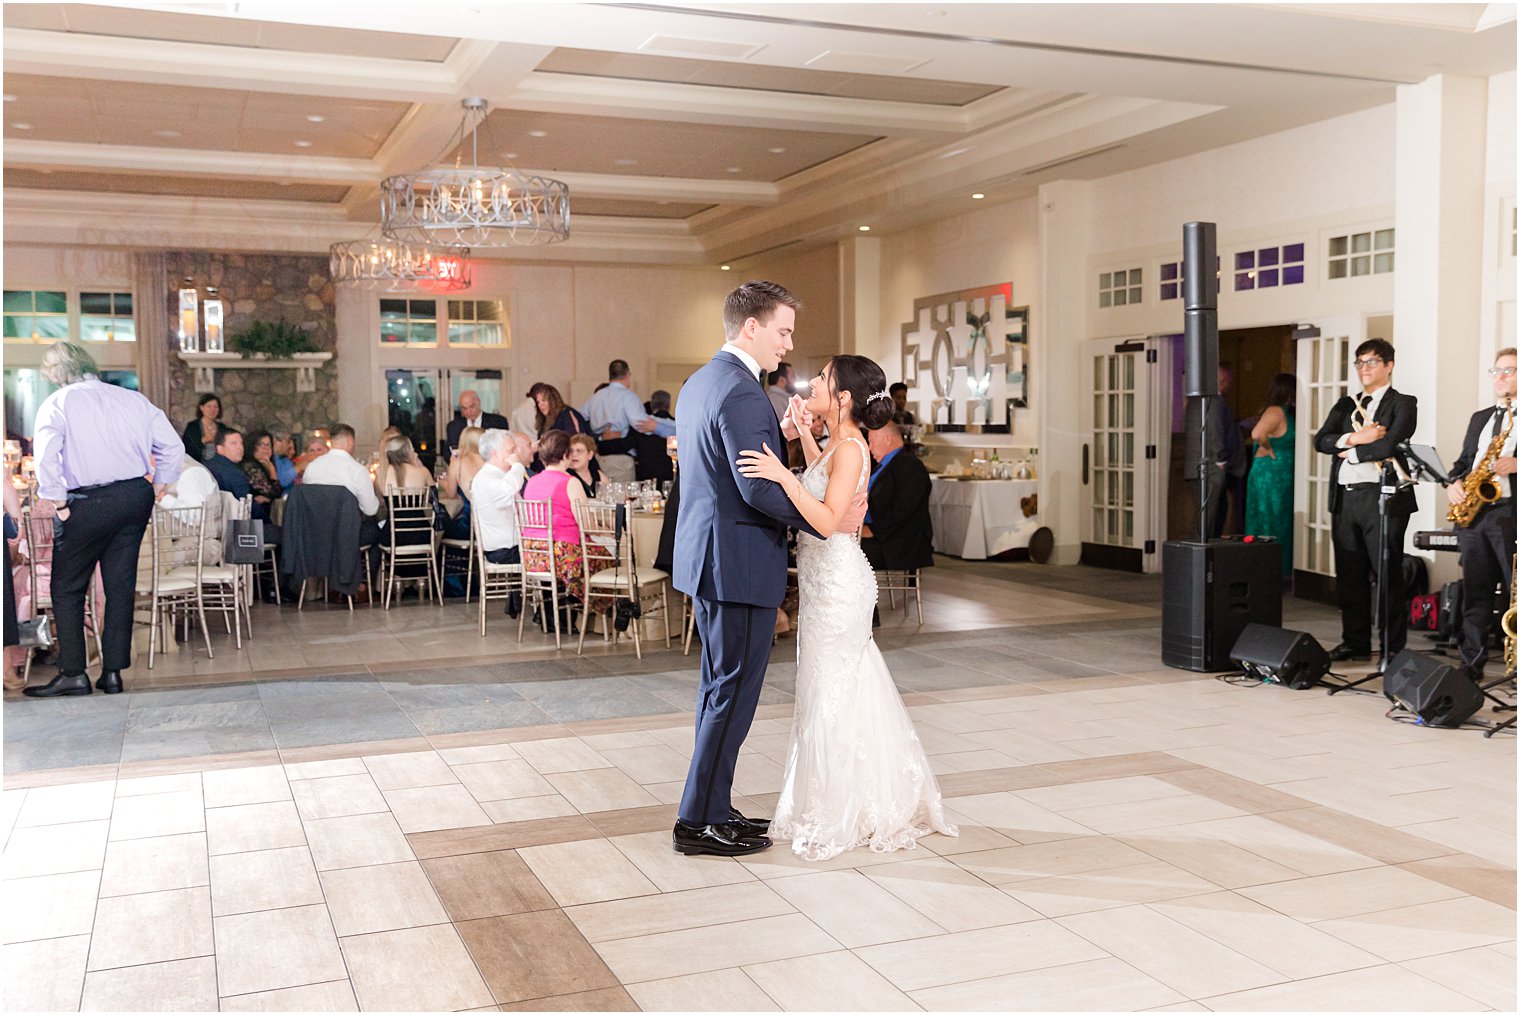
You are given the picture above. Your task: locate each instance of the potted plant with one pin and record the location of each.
(273, 340)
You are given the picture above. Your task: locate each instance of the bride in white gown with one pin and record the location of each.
(856, 773)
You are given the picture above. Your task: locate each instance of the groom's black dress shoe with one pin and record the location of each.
(61, 686)
(1343, 652)
(751, 826)
(109, 682)
(717, 840)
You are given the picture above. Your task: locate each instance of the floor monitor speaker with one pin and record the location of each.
(1292, 658)
(1439, 694)
(1210, 592)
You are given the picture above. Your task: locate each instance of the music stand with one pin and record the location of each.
(1424, 463)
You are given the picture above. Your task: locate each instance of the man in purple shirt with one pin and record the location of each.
(95, 444)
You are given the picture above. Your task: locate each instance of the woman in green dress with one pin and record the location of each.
(1269, 489)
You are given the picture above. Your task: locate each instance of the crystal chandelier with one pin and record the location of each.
(474, 205)
(393, 266)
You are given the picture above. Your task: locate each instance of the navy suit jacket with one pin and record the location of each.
(731, 531)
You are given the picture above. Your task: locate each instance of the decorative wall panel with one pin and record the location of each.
(965, 359)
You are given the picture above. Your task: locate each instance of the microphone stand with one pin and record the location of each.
(1388, 485)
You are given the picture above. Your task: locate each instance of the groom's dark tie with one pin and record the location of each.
(761, 378)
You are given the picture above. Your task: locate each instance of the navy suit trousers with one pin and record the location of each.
(736, 646)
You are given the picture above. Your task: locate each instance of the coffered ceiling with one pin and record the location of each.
(688, 133)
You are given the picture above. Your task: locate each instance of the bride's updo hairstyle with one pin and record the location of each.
(870, 404)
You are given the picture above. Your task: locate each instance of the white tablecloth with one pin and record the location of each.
(980, 518)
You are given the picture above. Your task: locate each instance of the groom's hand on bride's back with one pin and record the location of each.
(855, 515)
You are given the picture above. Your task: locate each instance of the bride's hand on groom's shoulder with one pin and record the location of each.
(762, 464)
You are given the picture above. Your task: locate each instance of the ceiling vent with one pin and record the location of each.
(865, 63)
(679, 46)
(1069, 159)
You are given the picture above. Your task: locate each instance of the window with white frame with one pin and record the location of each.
(1119, 288)
(1358, 254)
(106, 317)
(408, 322)
(477, 322)
(1174, 277)
(1269, 267)
(36, 315)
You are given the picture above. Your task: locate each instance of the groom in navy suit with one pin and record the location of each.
(730, 555)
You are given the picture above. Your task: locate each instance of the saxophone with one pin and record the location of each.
(1507, 622)
(1479, 487)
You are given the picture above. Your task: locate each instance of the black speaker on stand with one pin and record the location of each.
(1210, 592)
(1438, 694)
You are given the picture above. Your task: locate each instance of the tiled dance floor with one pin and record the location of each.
(457, 834)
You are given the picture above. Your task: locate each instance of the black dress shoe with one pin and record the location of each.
(1342, 652)
(109, 682)
(751, 826)
(716, 840)
(61, 686)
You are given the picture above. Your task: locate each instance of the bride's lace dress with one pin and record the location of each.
(856, 773)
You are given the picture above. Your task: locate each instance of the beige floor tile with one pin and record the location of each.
(359, 840)
(528, 958)
(835, 981)
(158, 927)
(756, 774)
(528, 808)
(1063, 858)
(171, 812)
(335, 995)
(135, 866)
(1296, 950)
(366, 900)
(502, 779)
(661, 914)
(780, 862)
(1350, 893)
(1017, 818)
(720, 990)
(672, 872)
(263, 879)
(1180, 957)
(45, 975)
(683, 952)
(54, 805)
(853, 909)
(1427, 929)
(978, 954)
(1179, 1006)
(337, 796)
(1480, 973)
(56, 905)
(55, 849)
(456, 756)
(409, 771)
(950, 896)
(1297, 850)
(1112, 888)
(11, 802)
(247, 827)
(1100, 793)
(1166, 812)
(418, 969)
(231, 786)
(592, 870)
(184, 782)
(1469, 836)
(325, 769)
(184, 985)
(653, 763)
(1379, 989)
(972, 838)
(434, 808)
(475, 886)
(565, 754)
(248, 960)
(1105, 984)
(601, 789)
(615, 741)
(1222, 863)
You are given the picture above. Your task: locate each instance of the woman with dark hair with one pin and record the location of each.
(201, 433)
(557, 485)
(856, 772)
(553, 413)
(1269, 487)
(258, 466)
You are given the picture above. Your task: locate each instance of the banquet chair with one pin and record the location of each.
(409, 512)
(905, 581)
(454, 550)
(224, 587)
(538, 575)
(37, 536)
(497, 581)
(175, 581)
(622, 581)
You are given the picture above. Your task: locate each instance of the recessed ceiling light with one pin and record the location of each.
(955, 151)
(166, 133)
(934, 14)
(731, 169)
(22, 126)
(538, 133)
(977, 197)
(303, 144)
(776, 151)
(315, 118)
(509, 155)
(625, 162)
(865, 229)
(723, 267)
(10, 98)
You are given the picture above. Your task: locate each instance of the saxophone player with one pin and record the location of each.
(1488, 541)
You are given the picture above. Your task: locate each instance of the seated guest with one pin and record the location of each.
(583, 464)
(496, 487)
(263, 477)
(897, 534)
(338, 468)
(558, 487)
(900, 413)
(227, 465)
(316, 447)
(457, 482)
(658, 405)
(194, 487)
(470, 414)
(284, 455)
(201, 433)
(400, 468)
(553, 413)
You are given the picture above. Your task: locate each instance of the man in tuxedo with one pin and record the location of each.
(1488, 544)
(730, 556)
(1362, 433)
(470, 415)
(897, 534)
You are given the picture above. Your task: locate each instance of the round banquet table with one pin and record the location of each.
(979, 518)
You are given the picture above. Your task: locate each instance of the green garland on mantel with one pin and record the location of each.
(274, 340)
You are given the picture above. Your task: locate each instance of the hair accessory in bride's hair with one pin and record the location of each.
(875, 395)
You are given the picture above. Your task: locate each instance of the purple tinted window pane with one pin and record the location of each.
(1169, 290)
(1244, 281)
(1293, 252)
(1169, 271)
(1267, 257)
(1293, 274)
(1245, 259)
(1266, 278)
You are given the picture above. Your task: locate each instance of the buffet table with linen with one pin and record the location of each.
(980, 518)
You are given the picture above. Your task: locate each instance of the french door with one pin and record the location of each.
(422, 402)
(1128, 436)
(1324, 376)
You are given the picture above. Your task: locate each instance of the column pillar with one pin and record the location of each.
(150, 308)
(860, 295)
